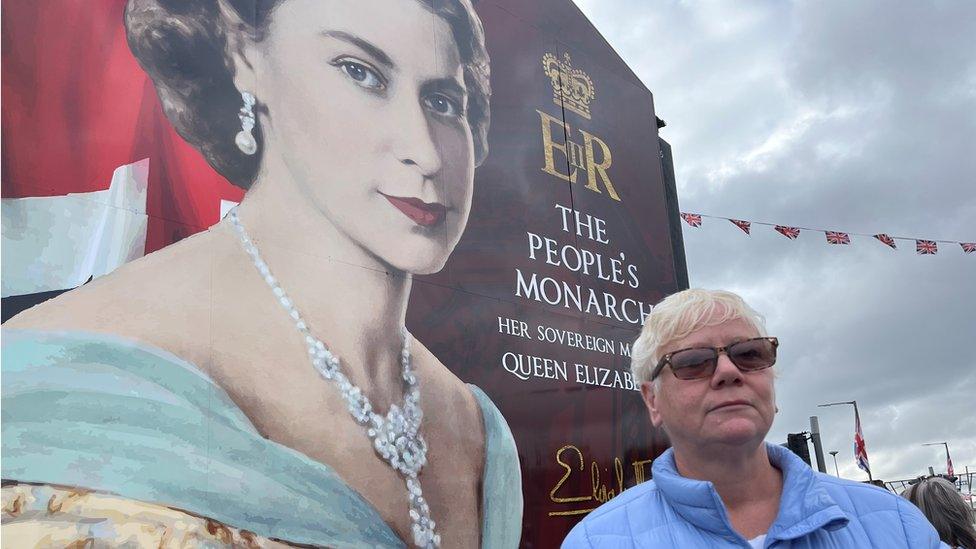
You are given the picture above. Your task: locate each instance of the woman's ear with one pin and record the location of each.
(649, 394)
(241, 50)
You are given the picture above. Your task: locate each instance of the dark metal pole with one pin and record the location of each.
(946, 444)
(969, 483)
(948, 459)
(817, 448)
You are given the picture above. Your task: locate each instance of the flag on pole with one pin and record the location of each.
(744, 225)
(860, 451)
(692, 219)
(949, 470)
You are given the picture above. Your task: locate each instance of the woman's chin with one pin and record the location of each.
(413, 251)
(417, 263)
(738, 432)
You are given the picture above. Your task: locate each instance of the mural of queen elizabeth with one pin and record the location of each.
(255, 384)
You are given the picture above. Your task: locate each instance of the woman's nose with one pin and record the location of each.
(725, 371)
(416, 145)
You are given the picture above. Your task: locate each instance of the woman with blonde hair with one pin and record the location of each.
(705, 364)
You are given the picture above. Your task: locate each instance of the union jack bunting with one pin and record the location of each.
(692, 219)
(788, 232)
(922, 247)
(860, 450)
(887, 240)
(744, 225)
(834, 237)
(926, 247)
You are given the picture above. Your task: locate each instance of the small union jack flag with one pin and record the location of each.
(744, 225)
(692, 219)
(968, 247)
(887, 240)
(834, 237)
(788, 232)
(926, 247)
(860, 449)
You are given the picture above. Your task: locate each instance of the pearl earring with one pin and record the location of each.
(244, 139)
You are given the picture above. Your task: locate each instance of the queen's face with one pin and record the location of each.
(366, 114)
(731, 407)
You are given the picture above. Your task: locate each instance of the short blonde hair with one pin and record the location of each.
(679, 315)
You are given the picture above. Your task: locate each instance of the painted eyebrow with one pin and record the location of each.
(449, 85)
(364, 45)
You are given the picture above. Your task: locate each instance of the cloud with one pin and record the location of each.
(853, 116)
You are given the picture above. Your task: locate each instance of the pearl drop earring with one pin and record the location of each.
(245, 139)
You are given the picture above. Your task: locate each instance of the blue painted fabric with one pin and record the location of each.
(108, 414)
(816, 511)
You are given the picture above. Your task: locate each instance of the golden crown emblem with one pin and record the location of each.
(571, 88)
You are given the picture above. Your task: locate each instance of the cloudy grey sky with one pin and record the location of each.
(844, 115)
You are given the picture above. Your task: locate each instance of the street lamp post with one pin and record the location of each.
(948, 459)
(857, 417)
(833, 454)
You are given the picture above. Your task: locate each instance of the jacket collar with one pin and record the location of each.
(805, 505)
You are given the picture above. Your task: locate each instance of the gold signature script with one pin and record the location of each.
(602, 491)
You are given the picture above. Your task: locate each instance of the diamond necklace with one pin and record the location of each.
(396, 436)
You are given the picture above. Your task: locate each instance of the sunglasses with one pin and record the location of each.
(750, 355)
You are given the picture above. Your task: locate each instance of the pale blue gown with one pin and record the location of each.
(108, 414)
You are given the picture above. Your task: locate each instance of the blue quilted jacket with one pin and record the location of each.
(816, 510)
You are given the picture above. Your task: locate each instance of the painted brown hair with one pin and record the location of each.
(182, 45)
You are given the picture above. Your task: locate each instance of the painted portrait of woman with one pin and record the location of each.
(255, 384)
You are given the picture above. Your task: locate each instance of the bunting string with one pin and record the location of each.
(922, 246)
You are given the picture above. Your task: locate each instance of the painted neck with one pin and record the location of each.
(352, 302)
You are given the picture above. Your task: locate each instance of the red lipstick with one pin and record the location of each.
(422, 213)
